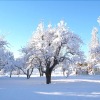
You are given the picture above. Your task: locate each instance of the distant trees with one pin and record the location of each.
(3, 45)
(52, 46)
(23, 63)
(6, 57)
(10, 63)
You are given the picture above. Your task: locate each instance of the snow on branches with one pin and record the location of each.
(95, 47)
(6, 57)
(52, 45)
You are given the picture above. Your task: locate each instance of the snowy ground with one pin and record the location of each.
(72, 88)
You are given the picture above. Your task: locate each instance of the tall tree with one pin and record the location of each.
(94, 47)
(54, 45)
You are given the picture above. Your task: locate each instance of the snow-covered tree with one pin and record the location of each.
(6, 57)
(23, 63)
(9, 62)
(94, 47)
(94, 40)
(3, 45)
(54, 45)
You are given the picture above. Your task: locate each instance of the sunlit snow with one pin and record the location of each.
(72, 88)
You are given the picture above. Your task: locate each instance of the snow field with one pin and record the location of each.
(71, 88)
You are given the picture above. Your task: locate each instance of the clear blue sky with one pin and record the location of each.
(19, 18)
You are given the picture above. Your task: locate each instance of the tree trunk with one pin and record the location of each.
(48, 76)
(41, 74)
(29, 73)
(28, 76)
(40, 71)
(10, 74)
(49, 70)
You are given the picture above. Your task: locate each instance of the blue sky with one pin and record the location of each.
(19, 18)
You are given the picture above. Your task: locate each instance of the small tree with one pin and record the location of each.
(22, 64)
(10, 63)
